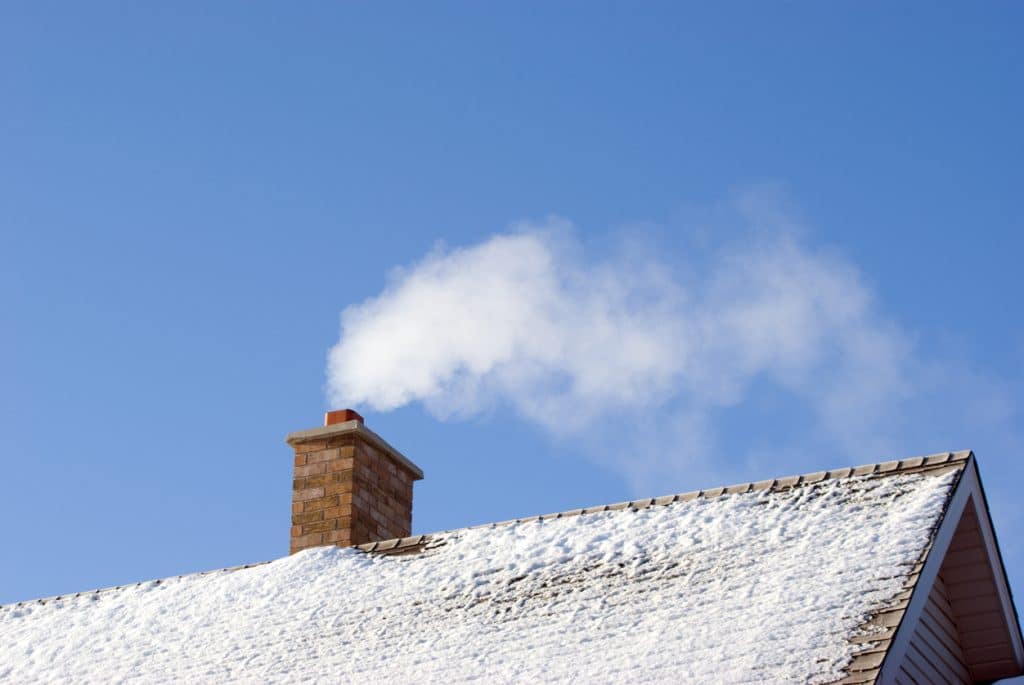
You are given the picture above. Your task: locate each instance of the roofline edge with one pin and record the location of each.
(931, 462)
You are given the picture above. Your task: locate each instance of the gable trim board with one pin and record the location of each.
(967, 493)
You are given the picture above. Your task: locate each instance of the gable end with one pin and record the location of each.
(960, 624)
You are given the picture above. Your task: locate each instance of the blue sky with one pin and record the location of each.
(190, 197)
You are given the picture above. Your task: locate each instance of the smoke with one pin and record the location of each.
(526, 319)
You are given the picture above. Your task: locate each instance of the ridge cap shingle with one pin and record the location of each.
(416, 543)
(931, 462)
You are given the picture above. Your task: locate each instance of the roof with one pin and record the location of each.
(806, 578)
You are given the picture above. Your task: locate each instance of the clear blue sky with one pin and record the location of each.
(190, 195)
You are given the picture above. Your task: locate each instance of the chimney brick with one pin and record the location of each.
(349, 486)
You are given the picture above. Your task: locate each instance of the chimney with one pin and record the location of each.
(350, 486)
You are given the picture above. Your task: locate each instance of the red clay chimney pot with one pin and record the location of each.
(341, 416)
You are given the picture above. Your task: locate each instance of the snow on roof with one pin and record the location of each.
(768, 585)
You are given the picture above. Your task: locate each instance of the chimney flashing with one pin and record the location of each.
(360, 429)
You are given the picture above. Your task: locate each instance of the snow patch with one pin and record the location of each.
(760, 587)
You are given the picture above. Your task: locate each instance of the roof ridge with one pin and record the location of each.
(414, 543)
(906, 465)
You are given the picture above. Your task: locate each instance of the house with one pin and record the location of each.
(885, 573)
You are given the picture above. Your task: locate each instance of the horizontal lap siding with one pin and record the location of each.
(961, 635)
(934, 654)
(909, 675)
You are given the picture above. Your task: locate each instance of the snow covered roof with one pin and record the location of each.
(803, 579)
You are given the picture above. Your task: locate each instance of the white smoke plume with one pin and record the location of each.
(525, 319)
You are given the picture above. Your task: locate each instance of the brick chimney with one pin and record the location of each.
(350, 486)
